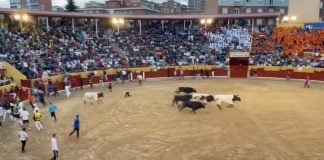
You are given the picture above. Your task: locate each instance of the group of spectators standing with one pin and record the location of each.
(21, 114)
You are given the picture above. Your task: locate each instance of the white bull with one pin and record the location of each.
(229, 99)
(92, 96)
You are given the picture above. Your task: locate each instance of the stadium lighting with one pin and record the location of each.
(206, 21)
(293, 18)
(17, 17)
(25, 17)
(285, 18)
(118, 22)
(121, 21)
(21, 18)
(202, 21)
(115, 21)
(209, 21)
(289, 18)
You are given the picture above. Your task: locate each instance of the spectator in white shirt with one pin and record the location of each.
(54, 147)
(24, 115)
(23, 136)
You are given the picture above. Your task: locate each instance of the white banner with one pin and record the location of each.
(239, 54)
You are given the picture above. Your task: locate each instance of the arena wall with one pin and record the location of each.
(150, 72)
(282, 72)
(189, 71)
(301, 25)
(11, 71)
(6, 88)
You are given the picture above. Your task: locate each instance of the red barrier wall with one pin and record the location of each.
(283, 74)
(169, 73)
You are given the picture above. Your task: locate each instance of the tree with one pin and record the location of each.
(70, 7)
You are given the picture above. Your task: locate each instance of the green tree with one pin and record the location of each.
(71, 7)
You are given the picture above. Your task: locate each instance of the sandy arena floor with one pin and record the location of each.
(276, 120)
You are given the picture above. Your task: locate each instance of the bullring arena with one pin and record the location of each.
(260, 56)
(275, 120)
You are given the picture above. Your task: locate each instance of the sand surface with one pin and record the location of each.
(275, 120)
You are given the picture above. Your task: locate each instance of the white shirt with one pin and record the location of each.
(36, 108)
(139, 77)
(20, 105)
(22, 135)
(24, 115)
(25, 64)
(54, 144)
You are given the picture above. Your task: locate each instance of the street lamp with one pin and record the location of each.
(21, 18)
(17, 17)
(25, 17)
(202, 21)
(285, 18)
(118, 22)
(289, 18)
(293, 18)
(206, 21)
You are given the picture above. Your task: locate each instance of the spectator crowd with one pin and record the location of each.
(64, 50)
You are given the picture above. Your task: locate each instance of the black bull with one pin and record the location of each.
(181, 98)
(185, 90)
(193, 105)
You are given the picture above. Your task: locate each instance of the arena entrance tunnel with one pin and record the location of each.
(239, 64)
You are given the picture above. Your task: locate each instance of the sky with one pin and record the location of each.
(5, 3)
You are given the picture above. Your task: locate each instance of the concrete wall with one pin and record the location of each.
(305, 10)
(11, 71)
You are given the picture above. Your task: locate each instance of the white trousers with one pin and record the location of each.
(39, 125)
(67, 91)
(2, 110)
(102, 82)
(5, 114)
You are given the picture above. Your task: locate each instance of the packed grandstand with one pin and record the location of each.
(39, 53)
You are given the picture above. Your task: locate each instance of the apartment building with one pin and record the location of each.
(121, 7)
(171, 7)
(93, 4)
(253, 7)
(196, 5)
(42, 5)
(321, 14)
